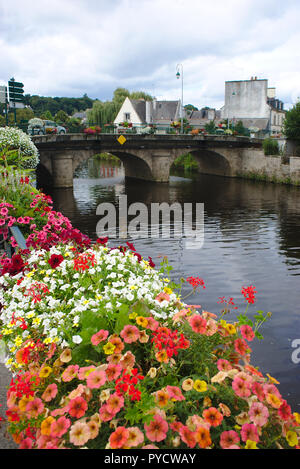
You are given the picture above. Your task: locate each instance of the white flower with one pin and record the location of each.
(77, 339)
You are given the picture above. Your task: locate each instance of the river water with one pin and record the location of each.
(251, 237)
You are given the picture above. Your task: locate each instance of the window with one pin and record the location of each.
(127, 116)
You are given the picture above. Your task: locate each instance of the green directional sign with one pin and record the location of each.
(16, 91)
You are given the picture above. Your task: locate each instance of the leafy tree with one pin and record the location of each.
(240, 129)
(190, 107)
(61, 117)
(47, 116)
(291, 124)
(210, 127)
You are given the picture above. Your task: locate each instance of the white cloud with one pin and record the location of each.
(72, 47)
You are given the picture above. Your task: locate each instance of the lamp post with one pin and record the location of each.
(178, 74)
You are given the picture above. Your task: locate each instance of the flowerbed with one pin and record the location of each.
(105, 352)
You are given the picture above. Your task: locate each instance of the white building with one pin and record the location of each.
(141, 112)
(253, 103)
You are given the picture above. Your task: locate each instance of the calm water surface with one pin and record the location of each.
(252, 237)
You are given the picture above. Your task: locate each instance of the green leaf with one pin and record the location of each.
(258, 335)
(122, 318)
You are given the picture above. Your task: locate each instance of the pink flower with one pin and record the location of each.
(223, 365)
(4, 211)
(100, 336)
(70, 373)
(175, 393)
(26, 443)
(249, 432)
(34, 408)
(211, 327)
(258, 414)
(84, 371)
(77, 407)
(114, 403)
(197, 323)
(79, 434)
(285, 411)
(50, 392)
(119, 437)
(152, 324)
(162, 297)
(60, 426)
(241, 347)
(228, 439)
(258, 390)
(105, 415)
(241, 387)
(247, 332)
(157, 429)
(130, 334)
(113, 371)
(135, 437)
(187, 436)
(96, 379)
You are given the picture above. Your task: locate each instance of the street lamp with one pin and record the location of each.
(178, 68)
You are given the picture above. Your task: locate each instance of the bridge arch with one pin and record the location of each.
(212, 162)
(135, 165)
(209, 161)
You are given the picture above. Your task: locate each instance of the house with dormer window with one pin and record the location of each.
(139, 112)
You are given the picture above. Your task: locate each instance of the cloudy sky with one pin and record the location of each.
(72, 47)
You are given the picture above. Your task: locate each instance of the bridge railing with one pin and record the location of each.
(157, 128)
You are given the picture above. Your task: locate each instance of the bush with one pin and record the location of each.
(270, 146)
(291, 124)
(186, 162)
(15, 139)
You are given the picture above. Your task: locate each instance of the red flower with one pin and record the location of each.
(55, 260)
(195, 282)
(102, 240)
(248, 293)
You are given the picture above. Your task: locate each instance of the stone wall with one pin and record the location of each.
(255, 164)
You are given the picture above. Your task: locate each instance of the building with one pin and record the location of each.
(253, 103)
(203, 116)
(140, 112)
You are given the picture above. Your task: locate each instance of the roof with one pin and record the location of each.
(165, 110)
(159, 110)
(260, 123)
(140, 108)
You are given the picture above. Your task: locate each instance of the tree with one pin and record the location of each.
(47, 116)
(61, 117)
(291, 124)
(190, 107)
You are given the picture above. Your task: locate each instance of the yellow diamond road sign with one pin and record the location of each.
(121, 139)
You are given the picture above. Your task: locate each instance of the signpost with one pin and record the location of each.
(3, 100)
(16, 94)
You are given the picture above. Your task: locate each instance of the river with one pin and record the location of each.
(251, 237)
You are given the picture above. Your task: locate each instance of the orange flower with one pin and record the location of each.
(273, 400)
(212, 416)
(202, 436)
(117, 342)
(162, 356)
(162, 398)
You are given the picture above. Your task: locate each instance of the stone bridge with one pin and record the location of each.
(147, 157)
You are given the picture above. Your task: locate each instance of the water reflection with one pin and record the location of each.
(252, 237)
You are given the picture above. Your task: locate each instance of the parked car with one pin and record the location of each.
(41, 127)
(53, 127)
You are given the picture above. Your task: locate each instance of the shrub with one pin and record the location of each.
(15, 139)
(270, 146)
(291, 124)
